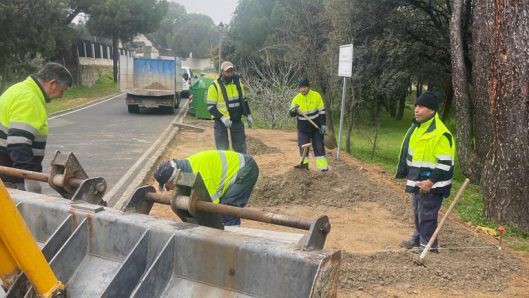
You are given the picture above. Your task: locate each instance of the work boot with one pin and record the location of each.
(409, 244)
(304, 166)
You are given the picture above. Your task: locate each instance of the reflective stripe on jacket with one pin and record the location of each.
(23, 125)
(218, 169)
(428, 152)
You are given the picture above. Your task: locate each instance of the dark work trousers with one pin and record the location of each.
(317, 142)
(238, 136)
(239, 192)
(426, 210)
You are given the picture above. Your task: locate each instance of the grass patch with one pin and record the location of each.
(80, 95)
(390, 135)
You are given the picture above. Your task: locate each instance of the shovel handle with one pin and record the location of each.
(434, 236)
(310, 120)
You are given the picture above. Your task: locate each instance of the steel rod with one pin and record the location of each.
(30, 175)
(245, 213)
(253, 214)
(24, 174)
(160, 198)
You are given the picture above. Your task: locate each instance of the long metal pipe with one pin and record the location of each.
(245, 213)
(24, 174)
(254, 214)
(30, 175)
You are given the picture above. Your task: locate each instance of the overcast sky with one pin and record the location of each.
(218, 10)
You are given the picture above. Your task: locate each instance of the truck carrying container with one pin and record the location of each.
(156, 85)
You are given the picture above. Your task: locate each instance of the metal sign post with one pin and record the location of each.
(345, 70)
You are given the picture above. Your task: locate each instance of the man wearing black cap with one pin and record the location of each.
(427, 162)
(310, 103)
(227, 103)
(229, 177)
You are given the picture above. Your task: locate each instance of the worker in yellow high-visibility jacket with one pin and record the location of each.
(24, 121)
(311, 104)
(229, 177)
(427, 162)
(227, 104)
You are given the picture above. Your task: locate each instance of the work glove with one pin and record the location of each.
(226, 121)
(323, 129)
(165, 173)
(294, 111)
(250, 121)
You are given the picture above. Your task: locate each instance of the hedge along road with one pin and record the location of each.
(105, 138)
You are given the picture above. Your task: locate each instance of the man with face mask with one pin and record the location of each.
(311, 104)
(427, 162)
(227, 103)
(24, 121)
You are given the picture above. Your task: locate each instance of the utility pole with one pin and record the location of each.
(221, 28)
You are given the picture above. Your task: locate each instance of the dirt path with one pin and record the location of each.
(370, 214)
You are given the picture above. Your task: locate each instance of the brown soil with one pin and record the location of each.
(370, 214)
(257, 147)
(156, 86)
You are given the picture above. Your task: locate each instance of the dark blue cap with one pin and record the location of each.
(164, 173)
(429, 100)
(304, 82)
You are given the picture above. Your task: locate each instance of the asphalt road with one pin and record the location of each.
(105, 138)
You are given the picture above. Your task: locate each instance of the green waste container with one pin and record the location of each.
(200, 94)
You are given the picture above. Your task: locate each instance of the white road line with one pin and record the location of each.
(86, 107)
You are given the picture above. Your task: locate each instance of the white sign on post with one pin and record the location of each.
(345, 65)
(345, 70)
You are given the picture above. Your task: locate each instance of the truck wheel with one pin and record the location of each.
(177, 103)
(133, 109)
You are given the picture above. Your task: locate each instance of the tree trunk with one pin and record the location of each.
(3, 83)
(448, 102)
(465, 145)
(393, 108)
(115, 58)
(506, 172)
(480, 62)
(418, 92)
(350, 116)
(402, 105)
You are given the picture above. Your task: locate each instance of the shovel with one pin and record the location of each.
(303, 155)
(326, 140)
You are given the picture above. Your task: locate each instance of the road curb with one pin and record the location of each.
(58, 113)
(147, 162)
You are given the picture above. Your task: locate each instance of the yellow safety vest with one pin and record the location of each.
(218, 169)
(311, 104)
(23, 117)
(216, 98)
(428, 152)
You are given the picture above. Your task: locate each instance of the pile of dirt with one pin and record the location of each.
(156, 86)
(257, 147)
(342, 186)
